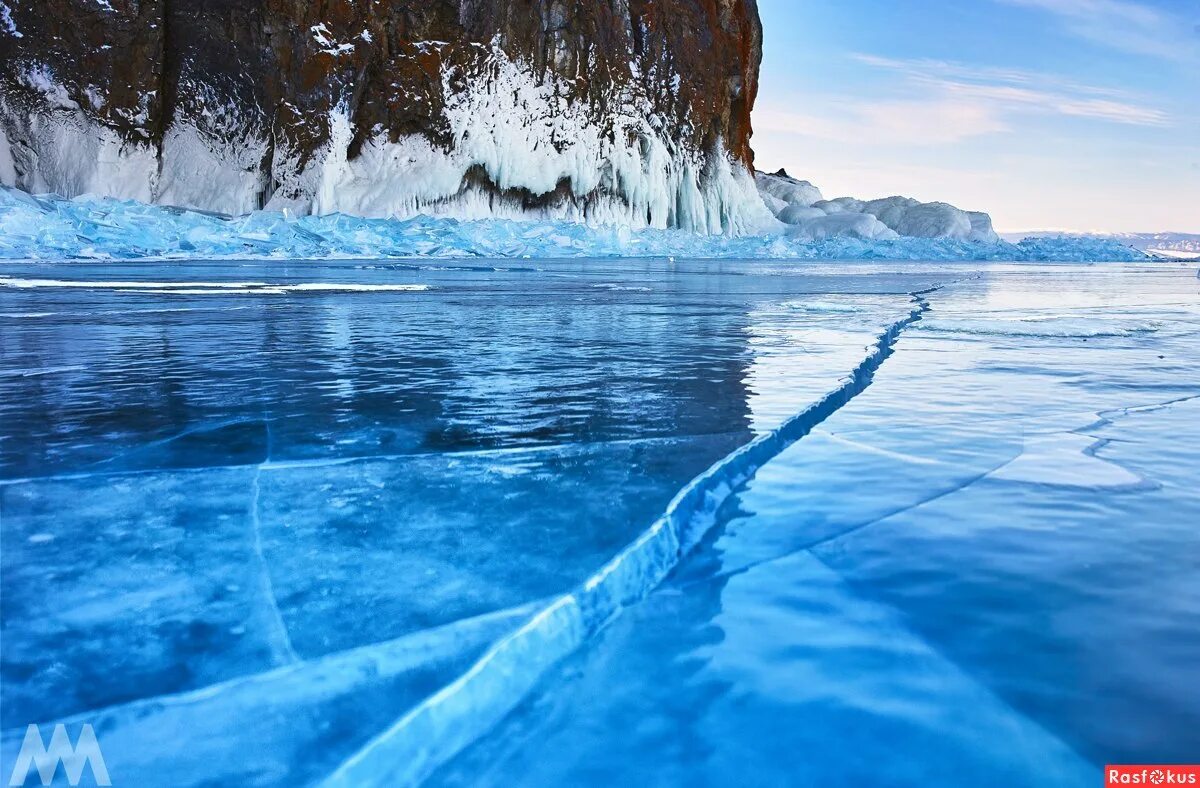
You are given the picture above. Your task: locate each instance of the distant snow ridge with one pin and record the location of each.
(102, 228)
(810, 216)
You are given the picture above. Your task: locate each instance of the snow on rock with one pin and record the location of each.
(800, 205)
(841, 224)
(787, 189)
(517, 152)
(513, 136)
(6, 22)
(65, 152)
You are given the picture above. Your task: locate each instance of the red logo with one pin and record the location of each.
(1151, 775)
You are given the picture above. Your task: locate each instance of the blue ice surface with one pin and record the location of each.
(985, 564)
(49, 227)
(269, 522)
(222, 489)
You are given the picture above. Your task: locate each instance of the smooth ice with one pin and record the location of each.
(984, 564)
(203, 487)
(357, 511)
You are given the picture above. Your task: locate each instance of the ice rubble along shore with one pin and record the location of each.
(103, 228)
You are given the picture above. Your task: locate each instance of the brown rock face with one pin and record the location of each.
(302, 103)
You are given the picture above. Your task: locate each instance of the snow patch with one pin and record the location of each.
(41, 79)
(328, 45)
(6, 22)
(800, 205)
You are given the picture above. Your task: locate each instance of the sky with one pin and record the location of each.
(1079, 115)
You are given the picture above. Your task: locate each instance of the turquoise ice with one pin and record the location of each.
(96, 228)
(585, 522)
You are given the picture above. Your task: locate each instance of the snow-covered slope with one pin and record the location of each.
(809, 215)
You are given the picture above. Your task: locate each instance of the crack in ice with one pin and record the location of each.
(327, 462)
(849, 530)
(450, 720)
(277, 632)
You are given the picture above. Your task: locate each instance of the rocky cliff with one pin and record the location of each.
(610, 111)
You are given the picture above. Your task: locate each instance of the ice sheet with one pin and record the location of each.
(239, 493)
(1001, 522)
(234, 487)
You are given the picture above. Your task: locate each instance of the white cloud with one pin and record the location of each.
(1002, 92)
(948, 103)
(1123, 25)
(916, 122)
(927, 69)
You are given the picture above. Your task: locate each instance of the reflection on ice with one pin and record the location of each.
(226, 486)
(302, 511)
(987, 528)
(213, 288)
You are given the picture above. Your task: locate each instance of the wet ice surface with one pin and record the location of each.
(288, 502)
(984, 564)
(209, 473)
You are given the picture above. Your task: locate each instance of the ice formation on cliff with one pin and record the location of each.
(527, 138)
(518, 133)
(519, 148)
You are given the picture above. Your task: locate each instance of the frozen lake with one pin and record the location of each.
(272, 523)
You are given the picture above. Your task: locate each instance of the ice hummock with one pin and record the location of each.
(50, 227)
(808, 215)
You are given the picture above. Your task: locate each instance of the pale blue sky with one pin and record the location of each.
(1049, 114)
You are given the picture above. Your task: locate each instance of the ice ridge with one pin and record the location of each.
(50, 227)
